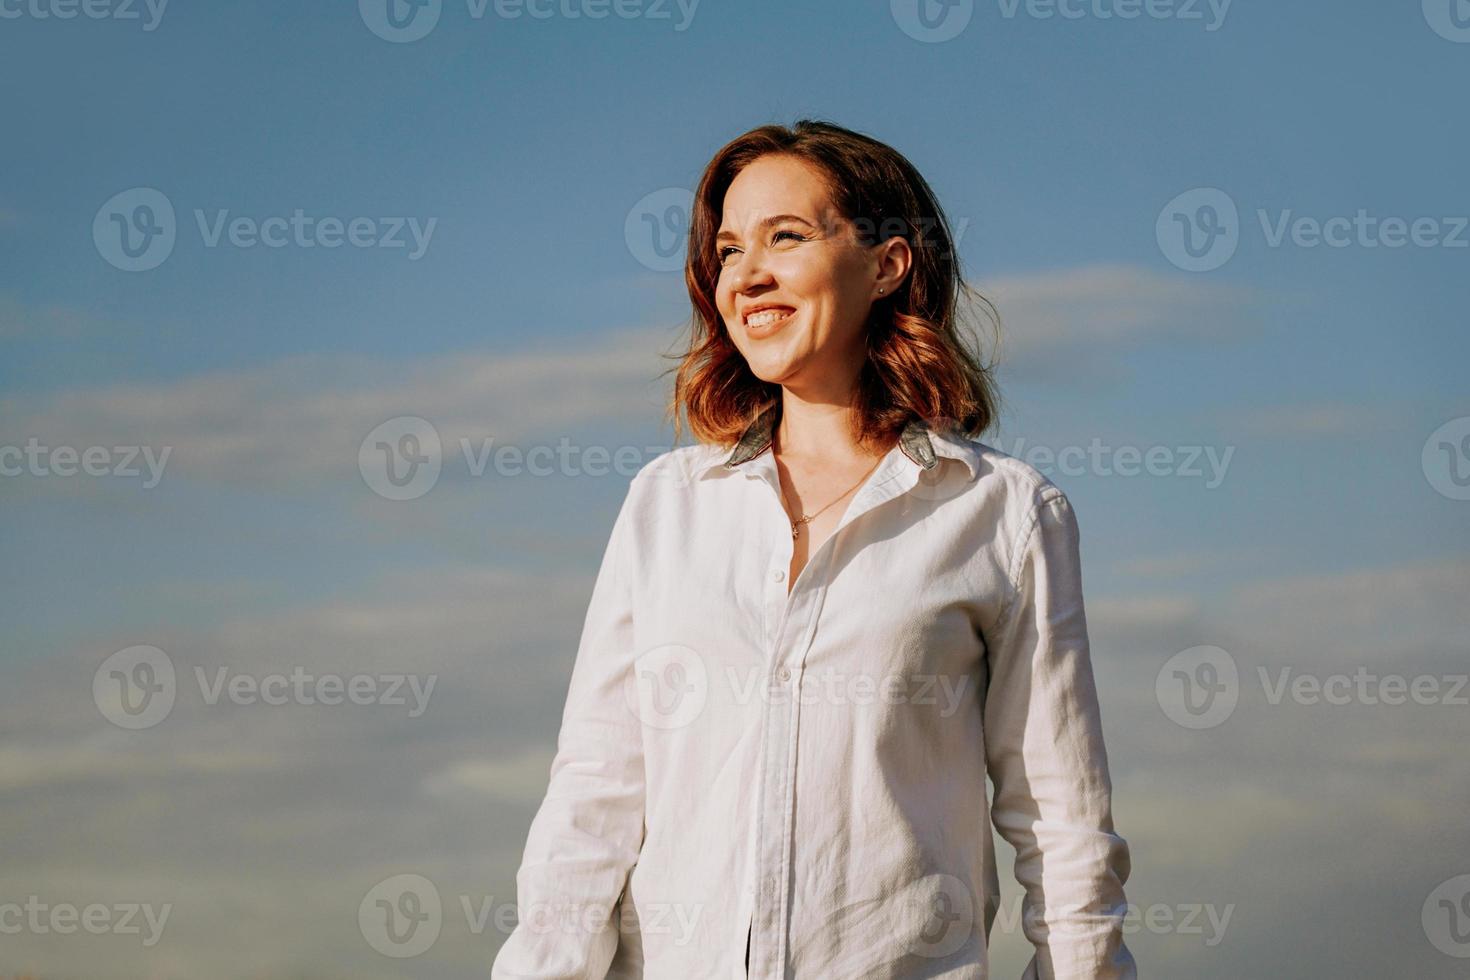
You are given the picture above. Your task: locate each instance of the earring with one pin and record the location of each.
(880, 290)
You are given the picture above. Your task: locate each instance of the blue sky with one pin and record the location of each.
(1333, 539)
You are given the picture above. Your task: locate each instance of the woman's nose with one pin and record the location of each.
(749, 270)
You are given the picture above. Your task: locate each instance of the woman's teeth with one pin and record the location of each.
(765, 317)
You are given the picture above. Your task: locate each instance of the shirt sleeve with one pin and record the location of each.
(1045, 755)
(588, 832)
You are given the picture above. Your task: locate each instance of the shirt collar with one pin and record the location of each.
(920, 441)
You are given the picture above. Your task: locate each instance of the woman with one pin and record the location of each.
(815, 632)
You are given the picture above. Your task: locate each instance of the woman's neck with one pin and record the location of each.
(819, 434)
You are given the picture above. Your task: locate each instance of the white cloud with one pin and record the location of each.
(519, 778)
(1107, 303)
(1368, 614)
(109, 758)
(1141, 612)
(304, 418)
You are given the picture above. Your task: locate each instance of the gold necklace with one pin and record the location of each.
(807, 518)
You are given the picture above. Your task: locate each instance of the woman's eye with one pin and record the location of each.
(725, 252)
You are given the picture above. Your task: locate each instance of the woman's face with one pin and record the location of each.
(782, 246)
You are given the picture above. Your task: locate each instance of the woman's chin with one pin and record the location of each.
(773, 370)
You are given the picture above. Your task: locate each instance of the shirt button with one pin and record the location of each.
(778, 574)
(783, 675)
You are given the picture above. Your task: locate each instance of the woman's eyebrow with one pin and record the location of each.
(774, 219)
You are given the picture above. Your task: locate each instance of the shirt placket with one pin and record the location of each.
(791, 622)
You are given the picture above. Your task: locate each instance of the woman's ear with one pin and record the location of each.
(894, 261)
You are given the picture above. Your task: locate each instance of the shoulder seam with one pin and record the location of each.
(1043, 495)
(1036, 480)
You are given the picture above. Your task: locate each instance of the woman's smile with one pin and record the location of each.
(768, 320)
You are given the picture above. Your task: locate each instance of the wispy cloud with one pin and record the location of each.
(303, 419)
(1110, 303)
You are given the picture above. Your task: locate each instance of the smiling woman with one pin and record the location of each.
(815, 633)
(844, 233)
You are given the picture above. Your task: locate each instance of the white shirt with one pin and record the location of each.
(812, 766)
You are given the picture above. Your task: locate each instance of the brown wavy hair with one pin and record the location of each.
(918, 364)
